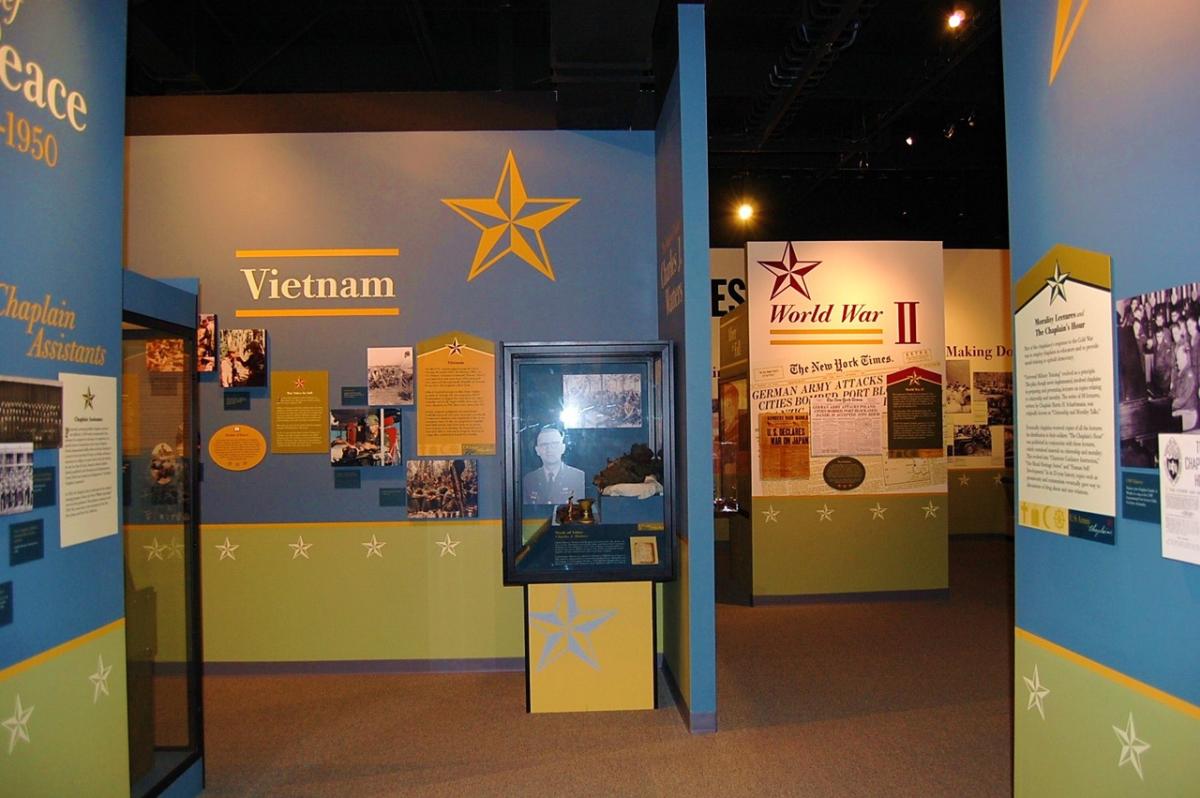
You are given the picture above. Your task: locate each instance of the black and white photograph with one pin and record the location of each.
(443, 489)
(164, 355)
(957, 398)
(243, 358)
(206, 342)
(602, 401)
(389, 375)
(16, 478)
(972, 440)
(996, 387)
(1158, 354)
(31, 412)
(364, 438)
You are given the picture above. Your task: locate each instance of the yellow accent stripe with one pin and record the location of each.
(250, 313)
(60, 649)
(1153, 693)
(823, 496)
(828, 342)
(830, 331)
(316, 253)
(387, 524)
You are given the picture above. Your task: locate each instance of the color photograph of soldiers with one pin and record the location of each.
(164, 355)
(1158, 357)
(206, 342)
(957, 398)
(390, 375)
(443, 489)
(602, 401)
(364, 438)
(31, 411)
(996, 388)
(16, 478)
(243, 358)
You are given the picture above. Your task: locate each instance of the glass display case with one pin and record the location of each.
(588, 462)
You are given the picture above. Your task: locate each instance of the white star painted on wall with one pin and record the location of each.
(175, 550)
(375, 547)
(770, 515)
(1037, 693)
(568, 629)
(448, 546)
(154, 551)
(825, 513)
(1131, 747)
(963, 479)
(99, 679)
(877, 512)
(18, 725)
(300, 548)
(931, 509)
(1058, 284)
(227, 550)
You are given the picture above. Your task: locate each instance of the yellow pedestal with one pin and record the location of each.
(589, 646)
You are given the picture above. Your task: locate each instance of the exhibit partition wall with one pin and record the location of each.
(681, 184)
(848, 469)
(977, 402)
(62, 628)
(1101, 114)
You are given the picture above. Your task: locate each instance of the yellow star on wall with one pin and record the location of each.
(506, 221)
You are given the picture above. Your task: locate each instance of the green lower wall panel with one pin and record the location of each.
(849, 544)
(155, 554)
(77, 734)
(676, 629)
(980, 502)
(1078, 741)
(425, 590)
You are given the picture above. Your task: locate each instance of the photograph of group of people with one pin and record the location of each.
(243, 358)
(957, 397)
(364, 437)
(16, 478)
(1158, 354)
(389, 375)
(996, 388)
(599, 401)
(206, 342)
(31, 412)
(164, 355)
(443, 488)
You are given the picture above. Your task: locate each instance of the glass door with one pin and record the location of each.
(159, 456)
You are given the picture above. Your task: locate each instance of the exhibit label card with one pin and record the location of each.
(457, 412)
(1179, 478)
(237, 400)
(6, 603)
(354, 395)
(88, 459)
(299, 412)
(26, 542)
(1064, 352)
(44, 487)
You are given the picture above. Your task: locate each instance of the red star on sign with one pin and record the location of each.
(789, 272)
(300, 383)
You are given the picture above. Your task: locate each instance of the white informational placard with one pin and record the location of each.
(88, 459)
(1066, 438)
(1179, 482)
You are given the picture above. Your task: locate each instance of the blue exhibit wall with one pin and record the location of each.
(195, 201)
(684, 299)
(1103, 158)
(61, 156)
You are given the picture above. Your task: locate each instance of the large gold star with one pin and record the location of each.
(508, 219)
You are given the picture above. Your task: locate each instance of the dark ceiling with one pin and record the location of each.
(810, 101)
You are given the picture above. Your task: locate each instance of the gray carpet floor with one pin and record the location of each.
(906, 698)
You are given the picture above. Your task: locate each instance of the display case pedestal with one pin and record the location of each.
(590, 647)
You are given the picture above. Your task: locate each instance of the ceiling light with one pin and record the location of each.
(908, 140)
(745, 211)
(956, 19)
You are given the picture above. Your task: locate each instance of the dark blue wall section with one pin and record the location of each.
(60, 237)
(194, 201)
(1105, 159)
